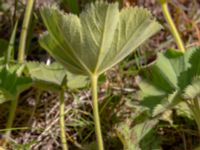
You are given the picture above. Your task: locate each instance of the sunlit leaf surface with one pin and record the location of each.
(100, 37)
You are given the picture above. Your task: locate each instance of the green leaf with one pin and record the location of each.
(11, 84)
(195, 63)
(160, 82)
(51, 76)
(192, 91)
(165, 81)
(165, 103)
(98, 39)
(132, 137)
(76, 81)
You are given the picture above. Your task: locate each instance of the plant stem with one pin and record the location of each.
(10, 49)
(23, 36)
(21, 51)
(173, 28)
(62, 120)
(94, 79)
(10, 120)
(15, 10)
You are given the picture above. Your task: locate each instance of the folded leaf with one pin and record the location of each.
(132, 137)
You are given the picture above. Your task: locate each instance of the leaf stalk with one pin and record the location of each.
(171, 23)
(22, 45)
(24, 33)
(62, 120)
(10, 120)
(94, 80)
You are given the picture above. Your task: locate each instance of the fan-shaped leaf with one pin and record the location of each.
(98, 39)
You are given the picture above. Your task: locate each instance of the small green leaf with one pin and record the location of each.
(132, 137)
(51, 76)
(11, 84)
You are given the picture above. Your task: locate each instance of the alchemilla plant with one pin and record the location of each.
(85, 45)
(96, 40)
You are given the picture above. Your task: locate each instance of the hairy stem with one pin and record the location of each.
(22, 44)
(62, 120)
(23, 36)
(173, 28)
(10, 120)
(94, 80)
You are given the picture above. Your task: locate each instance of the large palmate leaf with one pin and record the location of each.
(52, 76)
(11, 84)
(171, 76)
(97, 39)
